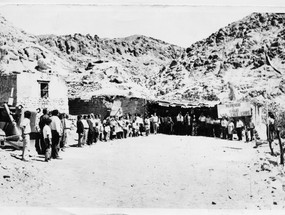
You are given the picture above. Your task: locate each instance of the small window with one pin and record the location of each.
(44, 87)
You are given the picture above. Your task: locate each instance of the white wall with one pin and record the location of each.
(28, 92)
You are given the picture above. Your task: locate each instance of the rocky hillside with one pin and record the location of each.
(90, 65)
(231, 60)
(233, 57)
(21, 52)
(126, 65)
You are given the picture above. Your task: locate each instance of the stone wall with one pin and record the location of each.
(7, 82)
(103, 105)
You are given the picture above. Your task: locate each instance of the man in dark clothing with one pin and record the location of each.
(187, 123)
(80, 130)
(90, 136)
(42, 122)
(56, 130)
(179, 124)
(170, 124)
(271, 130)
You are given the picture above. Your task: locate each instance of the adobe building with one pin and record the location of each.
(34, 90)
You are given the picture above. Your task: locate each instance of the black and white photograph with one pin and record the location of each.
(142, 107)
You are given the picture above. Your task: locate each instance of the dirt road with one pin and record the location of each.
(158, 171)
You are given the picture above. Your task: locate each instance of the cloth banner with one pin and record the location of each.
(234, 110)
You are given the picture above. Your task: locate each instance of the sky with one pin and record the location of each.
(179, 22)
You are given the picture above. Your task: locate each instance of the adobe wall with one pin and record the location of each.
(28, 93)
(103, 105)
(7, 82)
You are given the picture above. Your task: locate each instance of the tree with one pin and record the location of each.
(279, 124)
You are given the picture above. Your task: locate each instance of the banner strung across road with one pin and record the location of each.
(234, 110)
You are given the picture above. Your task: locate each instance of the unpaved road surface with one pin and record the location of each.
(158, 171)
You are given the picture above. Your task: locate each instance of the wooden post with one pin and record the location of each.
(11, 99)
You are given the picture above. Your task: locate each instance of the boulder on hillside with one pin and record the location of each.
(116, 79)
(89, 66)
(96, 38)
(99, 61)
(70, 46)
(173, 64)
(119, 51)
(89, 37)
(42, 64)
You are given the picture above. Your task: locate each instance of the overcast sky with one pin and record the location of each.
(178, 22)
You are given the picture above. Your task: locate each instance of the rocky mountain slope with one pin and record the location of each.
(123, 65)
(90, 65)
(230, 60)
(233, 57)
(21, 52)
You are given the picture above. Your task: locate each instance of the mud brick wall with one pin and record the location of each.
(133, 105)
(96, 106)
(102, 105)
(7, 82)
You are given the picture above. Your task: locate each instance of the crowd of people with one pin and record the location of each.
(52, 132)
(90, 128)
(53, 128)
(206, 125)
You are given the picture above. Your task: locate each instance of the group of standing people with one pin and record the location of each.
(91, 128)
(179, 125)
(226, 127)
(240, 127)
(52, 133)
(53, 129)
(206, 125)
